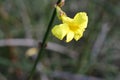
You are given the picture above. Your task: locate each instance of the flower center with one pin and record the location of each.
(73, 26)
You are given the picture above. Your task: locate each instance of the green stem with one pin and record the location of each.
(40, 52)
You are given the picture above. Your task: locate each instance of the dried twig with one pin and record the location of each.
(30, 43)
(100, 40)
(25, 18)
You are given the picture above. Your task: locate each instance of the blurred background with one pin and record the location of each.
(95, 56)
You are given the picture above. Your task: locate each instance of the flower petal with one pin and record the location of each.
(66, 19)
(70, 36)
(60, 31)
(78, 34)
(81, 18)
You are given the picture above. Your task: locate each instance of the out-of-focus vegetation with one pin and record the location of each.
(95, 56)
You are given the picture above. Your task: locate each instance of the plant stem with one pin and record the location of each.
(40, 52)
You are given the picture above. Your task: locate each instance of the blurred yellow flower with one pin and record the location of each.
(31, 52)
(72, 28)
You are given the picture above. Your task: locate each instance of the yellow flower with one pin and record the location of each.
(31, 52)
(72, 28)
